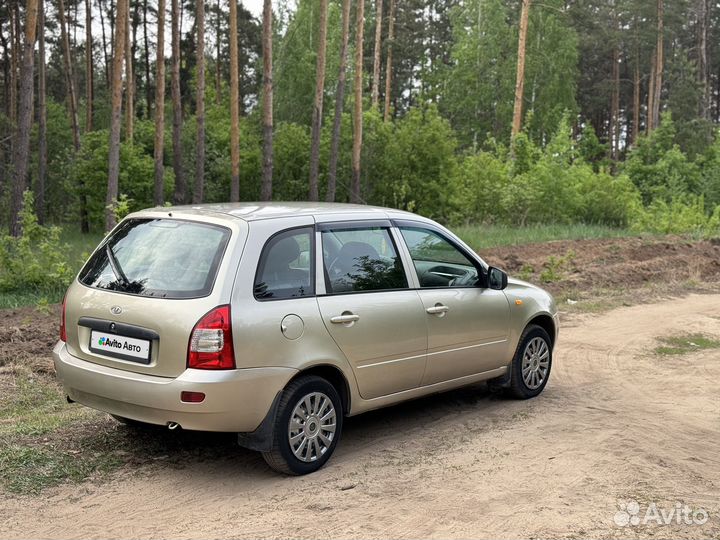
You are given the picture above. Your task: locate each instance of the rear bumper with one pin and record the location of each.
(235, 400)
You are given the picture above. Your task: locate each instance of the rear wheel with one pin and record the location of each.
(307, 426)
(531, 363)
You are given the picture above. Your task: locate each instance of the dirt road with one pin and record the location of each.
(616, 423)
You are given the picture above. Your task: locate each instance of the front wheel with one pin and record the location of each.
(307, 426)
(531, 363)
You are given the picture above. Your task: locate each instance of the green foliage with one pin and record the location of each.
(591, 149)
(678, 216)
(421, 171)
(556, 267)
(137, 175)
(36, 259)
(478, 92)
(659, 168)
(543, 185)
(291, 148)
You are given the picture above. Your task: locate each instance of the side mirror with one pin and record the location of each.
(497, 279)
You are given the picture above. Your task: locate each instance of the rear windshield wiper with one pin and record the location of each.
(115, 265)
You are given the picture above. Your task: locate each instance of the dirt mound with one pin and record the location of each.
(613, 263)
(27, 335)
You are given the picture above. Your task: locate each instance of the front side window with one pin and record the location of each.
(285, 268)
(437, 262)
(165, 258)
(359, 260)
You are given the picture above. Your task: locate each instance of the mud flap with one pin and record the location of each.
(502, 382)
(261, 439)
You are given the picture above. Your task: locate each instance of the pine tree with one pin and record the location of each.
(22, 142)
(317, 114)
(159, 192)
(358, 106)
(116, 114)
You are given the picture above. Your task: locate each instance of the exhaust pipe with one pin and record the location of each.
(173, 426)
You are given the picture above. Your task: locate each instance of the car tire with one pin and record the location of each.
(307, 426)
(531, 364)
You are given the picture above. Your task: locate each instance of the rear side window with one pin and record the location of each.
(358, 260)
(166, 258)
(285, 268)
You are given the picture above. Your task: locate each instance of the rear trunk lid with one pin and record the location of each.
(137, 299)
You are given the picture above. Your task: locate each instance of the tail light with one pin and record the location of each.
(63, 332)
(211, 345)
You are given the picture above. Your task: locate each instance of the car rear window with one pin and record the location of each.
(166, 258)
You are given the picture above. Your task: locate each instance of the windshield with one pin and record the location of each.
(166, 258)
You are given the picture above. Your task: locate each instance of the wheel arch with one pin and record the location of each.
(334, 376)
(547, 323)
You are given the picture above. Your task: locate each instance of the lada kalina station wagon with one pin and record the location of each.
(278, 320)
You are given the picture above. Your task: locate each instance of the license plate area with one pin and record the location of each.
(122, 347)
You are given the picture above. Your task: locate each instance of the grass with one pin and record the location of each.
(45, 441)
(684, 344)
(77, 247)
(488, 236)
(37, 443)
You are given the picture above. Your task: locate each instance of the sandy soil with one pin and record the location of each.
(616, 423)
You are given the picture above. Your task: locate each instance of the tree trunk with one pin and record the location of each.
(72, 99)
(651, 94)
(42, 118)
(388, 62)
(22, 142)
(159, 153)
(234, 106)
(69, 77)
(217, 54)
(659, 65)
(703, 9)
(129, 81)
(318, 106)
(636, 105)
(200, 104)
(358, 112)
(101, 8)
(520, 77)
(267, 113)
(148, 86)
(377, 53)
(339, 104)
(14, 55)
(116, 115)
(111, 14)
(180, 188)
(88, 68)
(614, 134)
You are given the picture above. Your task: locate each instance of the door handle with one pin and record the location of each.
(438, 309)
(346, 318)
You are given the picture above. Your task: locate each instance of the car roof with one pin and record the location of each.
(252, 211)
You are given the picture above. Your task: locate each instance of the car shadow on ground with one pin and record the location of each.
(188, 450)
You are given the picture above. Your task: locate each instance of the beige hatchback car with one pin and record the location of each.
(277, 320)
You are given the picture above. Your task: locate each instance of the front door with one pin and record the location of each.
(370, 311)
(467, 324)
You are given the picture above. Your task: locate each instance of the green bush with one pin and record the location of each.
(137, 175)
(678, 217)
(36, 259)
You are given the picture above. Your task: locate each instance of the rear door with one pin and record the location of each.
(467, 323)
(369, 309)
(137, 299)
